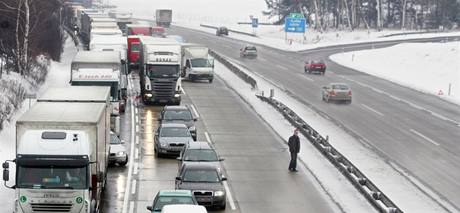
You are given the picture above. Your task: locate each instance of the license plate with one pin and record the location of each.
(204, 199)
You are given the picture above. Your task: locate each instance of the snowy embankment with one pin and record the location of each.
(429, 67)
(396, 186)
(59, 76)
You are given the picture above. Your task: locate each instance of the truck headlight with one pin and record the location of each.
(219, 193)
(120, 153)
(148, 95)
(176, 95)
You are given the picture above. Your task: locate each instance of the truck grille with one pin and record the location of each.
(164, 90)
(51, 207)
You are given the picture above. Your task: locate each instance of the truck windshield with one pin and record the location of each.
(201, 62)
(163, 71)
(52, 178)
(113, 87)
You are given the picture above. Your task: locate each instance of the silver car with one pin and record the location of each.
(171, 138)
(337, 92)
(118, 152)
(200, 152)
(248, 51)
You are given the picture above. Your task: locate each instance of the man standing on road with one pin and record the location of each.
(294, 148)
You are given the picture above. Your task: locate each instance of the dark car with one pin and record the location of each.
(249, 51)
(200, 152)
(171, 138)
(206, 183)
(222, 31)
(179, 114)
(337, 92)
(315, 66)
(170, 197)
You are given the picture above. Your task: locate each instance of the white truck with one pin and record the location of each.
(159, 73)
(101, 68)
(196, 63)
(61, 158)
(163, 17)
(111, 43)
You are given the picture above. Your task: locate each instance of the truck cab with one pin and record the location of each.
(196, 63)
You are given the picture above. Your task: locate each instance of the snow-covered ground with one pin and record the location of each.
(58, 76)
(427, 67)
(406, 196)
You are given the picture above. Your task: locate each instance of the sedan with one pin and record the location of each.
(118, 152)
(170, 197)
(248, 51)
(315, 66)
(206, 183)
(200, 152)
(337, 92)
(171, 138)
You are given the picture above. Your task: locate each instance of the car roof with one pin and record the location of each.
(200, 166)
(175, 108)
(163, 125)
(175, 193)
(183, 208)
(199, 145)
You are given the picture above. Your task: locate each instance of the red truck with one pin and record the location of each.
(139, 29)
(133, 52)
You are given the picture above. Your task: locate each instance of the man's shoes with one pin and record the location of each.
(294, 170)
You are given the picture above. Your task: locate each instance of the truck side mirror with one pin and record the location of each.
(6, 171)
(150, 208)
(178, 178)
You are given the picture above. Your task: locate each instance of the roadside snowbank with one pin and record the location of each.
(407, 196)
(427, 67)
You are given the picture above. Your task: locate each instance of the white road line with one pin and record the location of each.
(262, 59)
(281, 67)
(137, 139)
(308, 78)
(194, 111)
(371, 109)
(424, 137)
(182, 90)
(133, 187)
(130, 168)
(207, 137)
(131, 207)
(136, 156)
(137, 119)
(229, 196)
(137, 127)
(135, 111)
(136, 168)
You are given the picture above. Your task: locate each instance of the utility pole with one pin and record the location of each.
(378, 16)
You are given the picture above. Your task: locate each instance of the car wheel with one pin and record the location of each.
(327, 100)
(124, 162)
(223, 206)
(210, 80)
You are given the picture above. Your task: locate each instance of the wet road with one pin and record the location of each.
(255, 158)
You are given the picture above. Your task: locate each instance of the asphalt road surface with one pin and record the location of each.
(417, 131)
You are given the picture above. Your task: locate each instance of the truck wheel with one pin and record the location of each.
(210, 80)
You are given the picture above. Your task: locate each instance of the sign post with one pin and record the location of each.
(255, 24)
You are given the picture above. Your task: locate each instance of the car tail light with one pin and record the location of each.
(332, 93)
(349, 93)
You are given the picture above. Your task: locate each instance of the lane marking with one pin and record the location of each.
(130, 168)
(137, 139)
(262, 59)
(137, 154)
(133, 187)
(207, 137)
(229, 196)
(131, 207)
(136, 168)
(371, 109)
(282, 67)
(182, 90)
(424, 137)
(194, 111)
(135, 110)
(308, 78)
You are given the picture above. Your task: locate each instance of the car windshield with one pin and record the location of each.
(52, 177)
(114, 139)
(200, 155)
(175, 132)
(177, 115)
(168, 200)
(317, 62)
(162, 71)
(340, 87)
(201, 62)
(251, 48)
(135, 47)
(193, 175)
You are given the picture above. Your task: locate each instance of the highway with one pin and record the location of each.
(256, 159)
(417, 131)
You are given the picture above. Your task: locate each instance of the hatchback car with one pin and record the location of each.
(200, 152)
(315, 66)
(171, 138)
(169, 197)
(221, 31)
(118, 152)
(337, 92)
(248, 51)
(179, 114)
(205, 182)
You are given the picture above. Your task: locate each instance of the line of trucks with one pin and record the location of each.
(62, 142)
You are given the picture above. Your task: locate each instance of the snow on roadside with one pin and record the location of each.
(391, 182)
(427, 67)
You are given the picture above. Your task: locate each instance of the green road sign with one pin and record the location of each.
(296, 15)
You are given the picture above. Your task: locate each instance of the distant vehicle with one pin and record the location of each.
(134, 47)
(159, 32)
(206, 183)
(197, 63)
(200, 152)
(170, 197)
(337, 92)
(171, 138)
(183, 209)
(118, 152)
(139, 29)
(163, 17)
(315, 66)
(248, 51)
(221, 31)
(179, 114)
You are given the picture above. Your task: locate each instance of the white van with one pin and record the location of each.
(182, 208)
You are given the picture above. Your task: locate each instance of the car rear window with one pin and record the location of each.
(177, 115)
(200, 155)
(340, 87)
